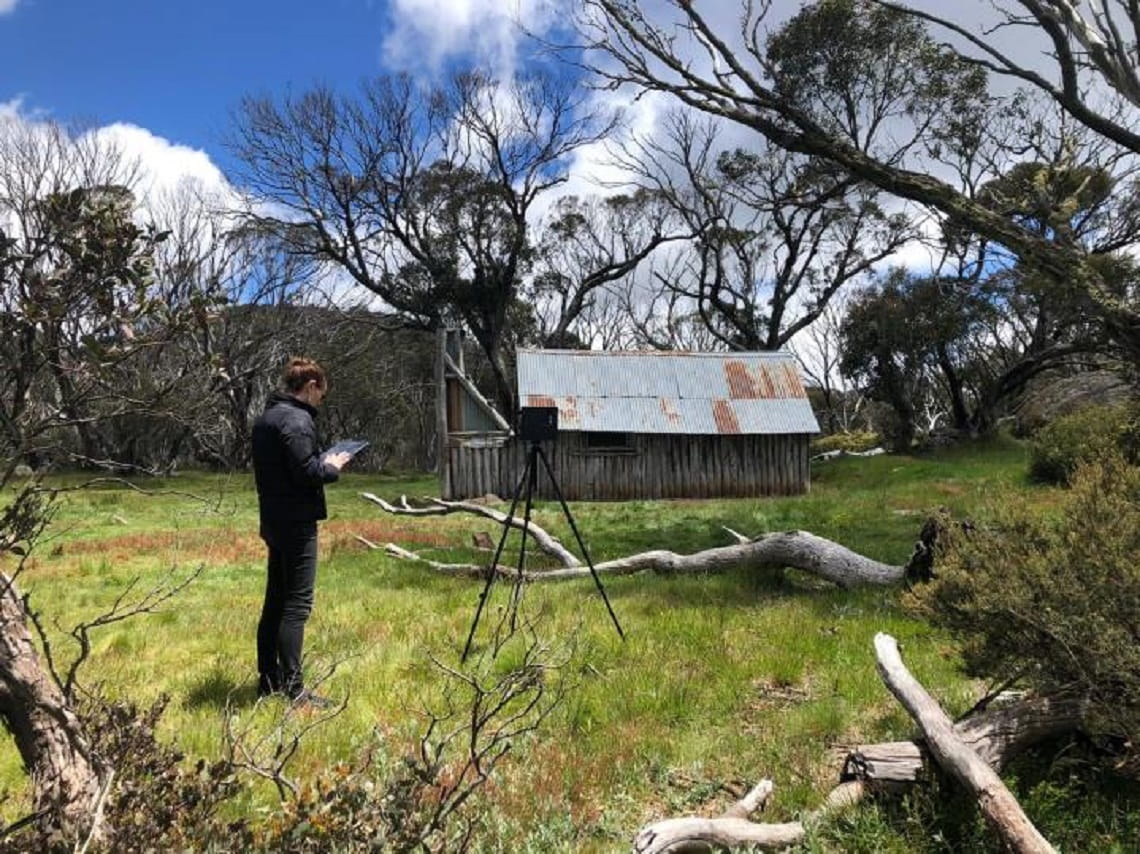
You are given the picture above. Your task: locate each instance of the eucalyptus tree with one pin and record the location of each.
(76, 309)
(908, 342)
(819, 349)
(586, 250)
(235, 286)
(425, 196)
(800, 83)
(76, 291)
(775, 235)
(1089, 65)
(986, 325)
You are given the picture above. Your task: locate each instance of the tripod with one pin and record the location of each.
(529, 479)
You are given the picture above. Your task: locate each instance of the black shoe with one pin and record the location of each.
(309, 700)
(268, 686)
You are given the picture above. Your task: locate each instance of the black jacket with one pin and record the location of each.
(287, 463)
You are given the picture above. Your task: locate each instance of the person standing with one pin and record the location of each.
(290, 474)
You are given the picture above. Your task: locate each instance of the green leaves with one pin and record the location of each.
(1052, 598)
(852, 64)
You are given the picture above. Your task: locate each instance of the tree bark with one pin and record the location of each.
(66, 779)
(996, 735)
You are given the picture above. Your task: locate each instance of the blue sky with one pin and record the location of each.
(164, 78)
(178, 70)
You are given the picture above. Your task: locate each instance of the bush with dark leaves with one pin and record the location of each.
(1051, 599)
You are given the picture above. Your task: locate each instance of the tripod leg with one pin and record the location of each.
(495, 559)
(581, 544)
(516, 594)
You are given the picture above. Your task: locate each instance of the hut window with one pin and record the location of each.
(609, 441)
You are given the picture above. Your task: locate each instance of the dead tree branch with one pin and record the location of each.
(122, 609)
(439, 507)
(994, 737)
(798, 549)
(998, 804)
(267, 752)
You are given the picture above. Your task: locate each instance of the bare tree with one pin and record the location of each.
(422, 196)
(236, 288)
(776, 235)
(818, 349)
(585, 248)
(659, 316)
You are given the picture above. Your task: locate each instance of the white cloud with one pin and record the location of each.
(425, 33)
(164, 164)
(11, 110)
(7, 6)
(161, 174)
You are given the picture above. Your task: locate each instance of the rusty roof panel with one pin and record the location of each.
(650, 392)
(724, 417)
(762, 379)
(647, 415)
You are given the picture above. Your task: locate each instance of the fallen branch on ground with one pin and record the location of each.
(839, 453)
(993, 737)
(997, 803)
(439, 507)
(801, 550)
(798, 549)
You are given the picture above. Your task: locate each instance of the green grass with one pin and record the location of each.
(723, 679)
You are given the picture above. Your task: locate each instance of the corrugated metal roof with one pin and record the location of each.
(667, 392)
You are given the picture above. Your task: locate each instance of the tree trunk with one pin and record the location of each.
(66, 779)
(958, 411)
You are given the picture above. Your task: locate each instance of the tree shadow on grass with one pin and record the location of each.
(217, 689)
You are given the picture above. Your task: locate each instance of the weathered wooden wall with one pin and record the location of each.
(655, 466)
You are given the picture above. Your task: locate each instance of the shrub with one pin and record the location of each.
(1051, 600)
(861, 440)
(157, 801)
(1084, 436)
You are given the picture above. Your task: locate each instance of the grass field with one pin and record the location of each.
(723, 679)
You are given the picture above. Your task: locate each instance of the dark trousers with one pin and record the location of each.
(290, 577)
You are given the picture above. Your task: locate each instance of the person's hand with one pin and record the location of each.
(338, 461)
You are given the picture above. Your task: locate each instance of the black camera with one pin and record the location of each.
(538, 423)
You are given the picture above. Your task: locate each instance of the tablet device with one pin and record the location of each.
(352, 447)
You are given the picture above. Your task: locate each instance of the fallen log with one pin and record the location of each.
(840, 453)
(797, 549)
(954, 756)
(997, 735)
(801, 550)
(994, 735)
(733, 828)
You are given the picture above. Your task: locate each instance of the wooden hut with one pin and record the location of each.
(638, 425)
